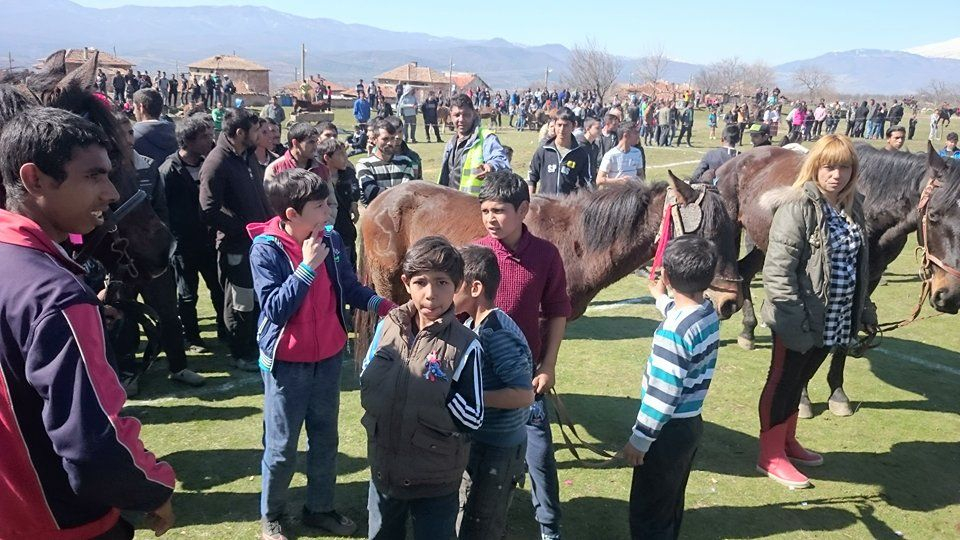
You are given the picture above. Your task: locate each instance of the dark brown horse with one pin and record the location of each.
(891, 183)
(602, 235)
(142, 242)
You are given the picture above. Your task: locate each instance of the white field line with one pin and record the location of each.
(666, 165)
(892, 354)
(198, 393)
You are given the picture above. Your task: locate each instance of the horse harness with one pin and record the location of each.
(118, 244)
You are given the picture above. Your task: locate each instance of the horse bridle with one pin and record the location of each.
(118, 244)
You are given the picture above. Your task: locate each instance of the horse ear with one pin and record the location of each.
(685, 193)
(934, 161)
(85, 75)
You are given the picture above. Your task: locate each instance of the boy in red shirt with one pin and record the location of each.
(533, 290)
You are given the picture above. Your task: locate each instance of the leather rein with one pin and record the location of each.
(118, 244)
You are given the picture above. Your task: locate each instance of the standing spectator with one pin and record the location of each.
(163, 86)
(361, 110)
(333, 154)
(895, 137)
(119, 86)
(407, 107)
(934, 126)
(229, 91)
(712, 122)
(385, 167)
(70, 460)
(217, 116)
(101, 82)
(912, 129)
(895, 115)
(871, 113)
(624, 162)
(561, 165)
(231, 197)
(473, 153)
(152, 137)
(819, 116)
(608, 133)
(712, 160)
(173, 91)
(664, 119)
(301, 153)
(860, 119)
(590, 140)
(274, 111)
(195, 255)
(878, 121)
(686, 123)
(429, 110)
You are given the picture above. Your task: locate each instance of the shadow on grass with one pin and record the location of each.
(200, 470)
(611, 328)
(768, 520)
(175, 414)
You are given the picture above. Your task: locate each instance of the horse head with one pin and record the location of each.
(939, 231)
(715, 225)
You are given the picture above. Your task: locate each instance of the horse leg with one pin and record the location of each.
(839, 404)
(748, 268)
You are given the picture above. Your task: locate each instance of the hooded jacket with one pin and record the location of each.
(407, 103)
(298, 303)
(69, 461)
(155, 139)
(561, 175)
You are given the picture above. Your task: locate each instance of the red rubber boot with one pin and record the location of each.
(797, 453)
(773, 459)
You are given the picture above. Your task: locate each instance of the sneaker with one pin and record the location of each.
(271, 530)
(333, 522)
(130, 383)
(188, 377)
(246, 364)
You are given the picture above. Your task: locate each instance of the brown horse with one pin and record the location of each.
(602, 235)
(492, 113)
(891, 183)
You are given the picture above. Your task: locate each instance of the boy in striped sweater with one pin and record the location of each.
(497, 454)
(668, 428)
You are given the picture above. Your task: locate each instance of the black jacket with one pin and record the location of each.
(560, 174)
(429, 109)
(183, 204)
(231, 195)
(155, 139)
(712, 161)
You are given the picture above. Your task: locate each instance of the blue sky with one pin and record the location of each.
(767, 30)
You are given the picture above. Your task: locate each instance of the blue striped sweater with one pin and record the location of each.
(679, 369)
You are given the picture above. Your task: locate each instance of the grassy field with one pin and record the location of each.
(892, 470)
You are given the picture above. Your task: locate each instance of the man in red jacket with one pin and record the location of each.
(69, 462)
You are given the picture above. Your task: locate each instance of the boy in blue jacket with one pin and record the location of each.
(302, 277)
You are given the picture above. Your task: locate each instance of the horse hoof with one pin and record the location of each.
(806, 410)
(745, 343)
(839, 403)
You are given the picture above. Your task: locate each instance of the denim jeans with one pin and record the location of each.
(295, 393)
(487, 489)
(434, 518)
(542, 467)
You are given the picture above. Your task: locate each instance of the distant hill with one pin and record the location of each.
(943, 49)
(168, 38)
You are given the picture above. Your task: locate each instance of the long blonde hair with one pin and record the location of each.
(830, 150)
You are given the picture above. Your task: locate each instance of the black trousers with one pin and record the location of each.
(160, 293)
(239, 303)
(789, 373)
(189, 265)
(436, 130)
(684, 129)
(657, 492)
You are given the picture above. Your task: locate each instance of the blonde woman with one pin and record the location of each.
(815, 279)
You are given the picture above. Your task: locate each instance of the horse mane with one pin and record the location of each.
(949, 191)
(615, 212)
(889, 177)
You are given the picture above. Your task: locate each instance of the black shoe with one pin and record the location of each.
(271, 530)
(195, 345)
(333, 522)
(439, 140)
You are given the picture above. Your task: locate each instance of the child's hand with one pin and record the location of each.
(631, 455)
(314, 250)
(658, 288)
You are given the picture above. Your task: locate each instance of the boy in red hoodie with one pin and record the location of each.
(302, 277)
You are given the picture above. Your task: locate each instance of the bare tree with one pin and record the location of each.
(759, 74)
(814, 80)
(937, 92)
(727, 76)
(651, 67)
(592, 67)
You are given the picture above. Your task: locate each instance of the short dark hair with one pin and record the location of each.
(566, 114)
(893, 129)
(624, 128)
(191, 128)
(151, 100)
(47, 138)
(324, 126)
(237, 119)
(328, 147)
(462, 101)
(589, 123)
(480, 264)
(690, 262)
(504, 186)
(433, 254)
(301, 131)
(731, 134)
(386, 125)
(610, 118)
(508, 151)
(952, 136)
(294, 188)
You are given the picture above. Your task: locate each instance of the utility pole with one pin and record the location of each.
(10, 61)
(451, 77)
(303, 60)
(546, 79)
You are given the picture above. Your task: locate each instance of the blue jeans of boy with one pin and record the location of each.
(487, 489)
(294, 394)
(542, 467)
(434, 518)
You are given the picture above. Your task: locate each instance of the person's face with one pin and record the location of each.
(338, 160)
(462, 119)
(758, 138)
(951, 145)
(612, 125)
(432, 294)
(465, 299)
(831, 179)
(386, 142)
(75, 205)
(632, 137)
(895, 140)
(563, 128)
(265, 139)
(328, 134)
(203, 144)
(594, 130)
(501, 220)
(307, 147)
(314, 213)
(251, 138)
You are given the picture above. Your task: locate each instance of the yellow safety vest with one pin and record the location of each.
(472, 163)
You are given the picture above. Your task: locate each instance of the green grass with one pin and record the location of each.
(891, 469)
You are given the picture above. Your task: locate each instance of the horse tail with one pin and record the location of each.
(364, 322)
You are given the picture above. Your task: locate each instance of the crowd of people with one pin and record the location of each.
(455, 413)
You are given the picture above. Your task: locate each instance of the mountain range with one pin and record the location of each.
(168, 38)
